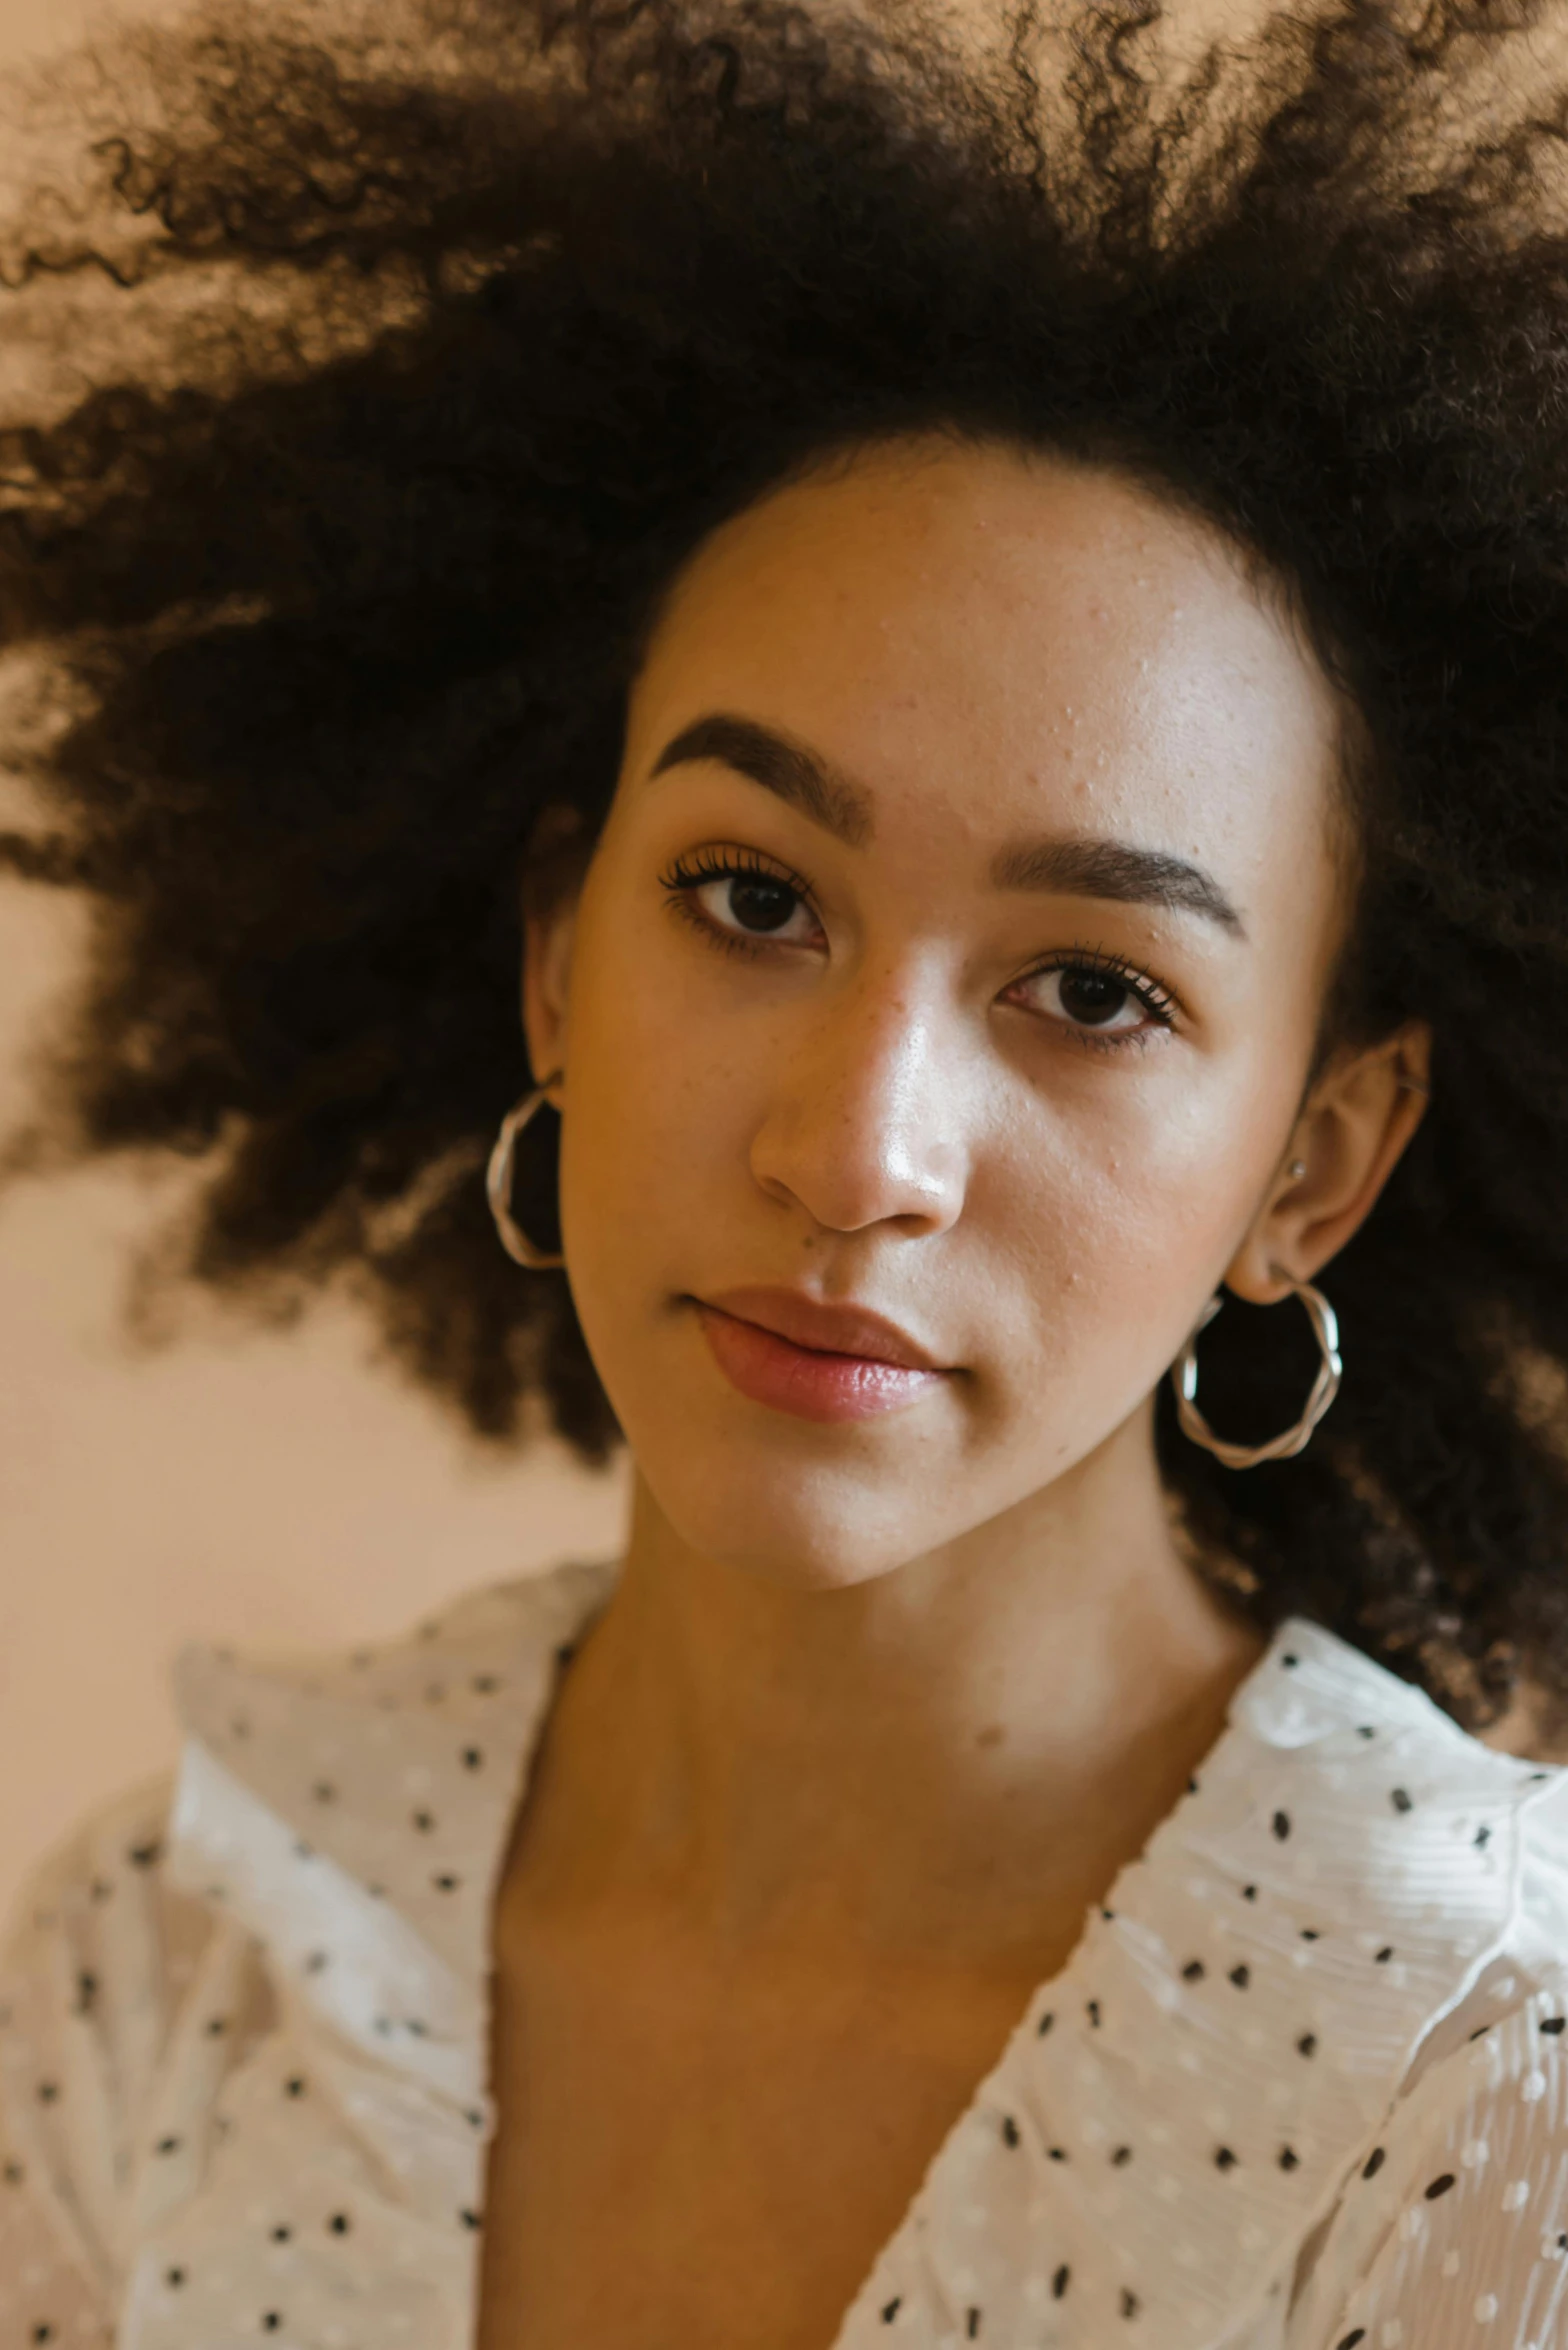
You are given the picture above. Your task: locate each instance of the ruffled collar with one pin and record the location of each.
(1178, 2110)
(1174, 2112)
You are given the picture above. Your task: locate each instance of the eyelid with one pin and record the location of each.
(719, 861)
(1160, 1000)
(689, 873)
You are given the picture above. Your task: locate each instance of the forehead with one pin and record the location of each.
(976, 631)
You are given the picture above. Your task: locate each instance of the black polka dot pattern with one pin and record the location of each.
(1206, 2073)
(1272, 1966)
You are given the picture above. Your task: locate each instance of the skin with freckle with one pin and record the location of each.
(995, 646)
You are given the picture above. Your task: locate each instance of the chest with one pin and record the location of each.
(712, 2161)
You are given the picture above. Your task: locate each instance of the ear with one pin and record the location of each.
(1347, 1140)
(554, 865)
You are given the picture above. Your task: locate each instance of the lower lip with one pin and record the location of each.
(800, 1379)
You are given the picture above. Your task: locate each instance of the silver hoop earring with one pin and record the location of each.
(1184, 1378)
(498, 1182)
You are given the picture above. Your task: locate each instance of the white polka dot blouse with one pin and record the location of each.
(1302, 2084)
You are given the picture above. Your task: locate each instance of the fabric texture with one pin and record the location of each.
(1302, 2084)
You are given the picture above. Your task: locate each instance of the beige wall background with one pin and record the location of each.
(267, 1489)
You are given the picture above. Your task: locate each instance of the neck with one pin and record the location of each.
(938, 1760)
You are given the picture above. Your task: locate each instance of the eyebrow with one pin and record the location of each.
(796, 775)
(1115, 869)
(1072, 865)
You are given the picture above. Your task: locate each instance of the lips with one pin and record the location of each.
(813, 1361)
(831, 1329)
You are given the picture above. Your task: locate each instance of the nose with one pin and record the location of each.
(863, 1123)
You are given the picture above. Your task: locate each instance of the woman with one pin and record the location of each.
(990, 628)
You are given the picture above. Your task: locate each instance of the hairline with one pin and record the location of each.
(1115, 454)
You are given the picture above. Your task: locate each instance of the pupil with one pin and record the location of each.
(761, 904)
(1092, 996)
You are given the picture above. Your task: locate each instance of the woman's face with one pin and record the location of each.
(954, 950)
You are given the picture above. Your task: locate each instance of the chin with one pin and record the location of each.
(800, 1526)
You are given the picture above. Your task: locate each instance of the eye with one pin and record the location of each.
(734, 894)
(1100, 997)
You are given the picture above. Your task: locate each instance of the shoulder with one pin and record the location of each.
(352, 1799)
(94, 1941)
(1397, 1802)
(99, 1949)
(1451, 2224)
(519, 1626)
(311, 1783)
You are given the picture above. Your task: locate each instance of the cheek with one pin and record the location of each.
(662, 1102)
(1101, 1207)
(1099, 1229)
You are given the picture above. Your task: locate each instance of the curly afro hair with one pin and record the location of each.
(464, 338)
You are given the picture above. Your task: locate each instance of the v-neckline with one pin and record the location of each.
(1227, 2005)
(1045, 1996)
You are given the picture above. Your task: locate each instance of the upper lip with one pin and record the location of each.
(833, 1329)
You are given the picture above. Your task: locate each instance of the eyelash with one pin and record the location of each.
(685, 875)
(1141, 985)
(688, 874)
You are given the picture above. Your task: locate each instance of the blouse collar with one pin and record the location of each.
(1174, 2111)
